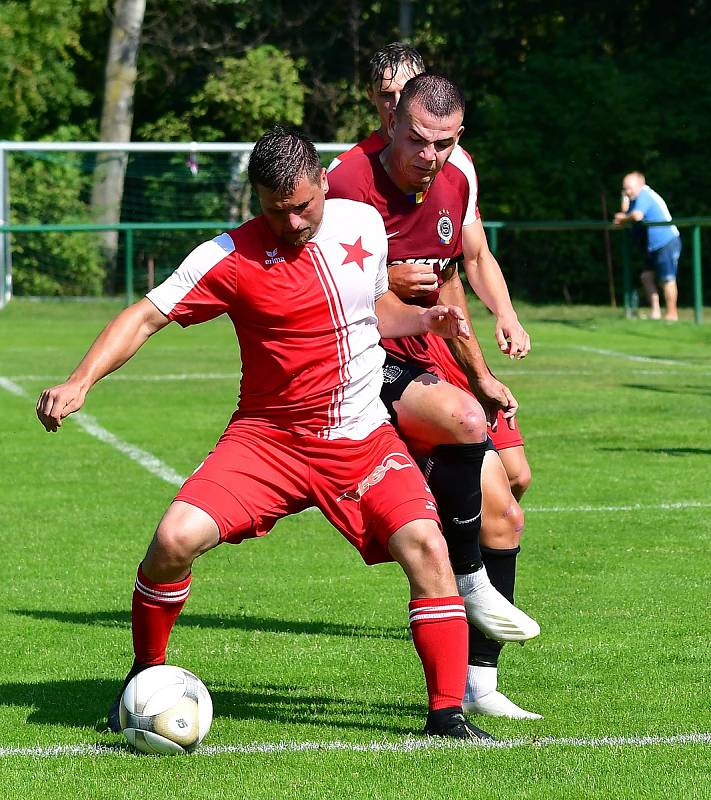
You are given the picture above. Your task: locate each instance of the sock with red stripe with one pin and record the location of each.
(439, 633)
(155, 608)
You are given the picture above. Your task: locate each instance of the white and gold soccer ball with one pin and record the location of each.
(165, 710)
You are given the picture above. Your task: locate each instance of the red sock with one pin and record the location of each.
(439, 631)
(155, 608)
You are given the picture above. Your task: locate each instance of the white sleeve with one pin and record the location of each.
(461, 159)
(381, 280)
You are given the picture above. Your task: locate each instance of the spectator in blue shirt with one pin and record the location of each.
(662, 243)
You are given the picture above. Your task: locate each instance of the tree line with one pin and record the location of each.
(563, 98)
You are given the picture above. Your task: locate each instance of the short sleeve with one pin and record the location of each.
(202, 287)
(643, 202)
(463, 161)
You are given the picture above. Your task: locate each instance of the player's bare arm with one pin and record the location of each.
(409, 281)
(396, 319)
(489, 391)
(119, 340)
(485, 278)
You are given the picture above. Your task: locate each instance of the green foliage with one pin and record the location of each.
(40, 45)
(563, 99)
(52, 188)
(249, 94)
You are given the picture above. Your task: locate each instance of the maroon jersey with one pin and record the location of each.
(371, 144)
(422, 228)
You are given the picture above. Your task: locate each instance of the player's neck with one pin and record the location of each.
(383, 135)
(385, 157)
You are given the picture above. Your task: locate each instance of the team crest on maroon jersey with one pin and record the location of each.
(445, 228)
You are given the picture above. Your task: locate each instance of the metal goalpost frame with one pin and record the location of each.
(100, 147)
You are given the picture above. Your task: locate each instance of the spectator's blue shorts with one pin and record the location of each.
(665, 260)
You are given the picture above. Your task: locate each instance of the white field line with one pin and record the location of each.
(171, 376)
(677, 506)
(630, 357)
(514, 371)
(406, 746)
(156, 467)
(90, 425)
(604, 509)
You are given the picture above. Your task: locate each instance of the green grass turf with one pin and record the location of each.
(299, 642)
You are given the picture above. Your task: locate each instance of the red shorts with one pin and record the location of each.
(259, 473)
(503, 436)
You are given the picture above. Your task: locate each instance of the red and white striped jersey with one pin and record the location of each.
(304, 317)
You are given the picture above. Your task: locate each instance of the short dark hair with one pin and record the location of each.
(435, 93)
(393, 56)
(281, 158)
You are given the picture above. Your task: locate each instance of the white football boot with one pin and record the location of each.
(491, 612)
(481, 696)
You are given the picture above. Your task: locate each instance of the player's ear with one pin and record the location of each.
(460, 132)
(391, 123)
(324, 180)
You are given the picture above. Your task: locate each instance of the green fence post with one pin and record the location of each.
(494, 241)
(626, 274)
(128, 255)
(696, 260)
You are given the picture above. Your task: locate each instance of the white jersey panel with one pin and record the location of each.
(350, 256)
(462, 161)
(195, 266)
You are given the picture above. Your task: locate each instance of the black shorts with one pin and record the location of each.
(397, 376)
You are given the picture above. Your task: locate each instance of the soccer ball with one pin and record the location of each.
(165, 710)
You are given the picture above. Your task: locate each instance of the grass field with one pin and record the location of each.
(317, 691)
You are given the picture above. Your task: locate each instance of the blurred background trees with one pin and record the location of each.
(563, 98)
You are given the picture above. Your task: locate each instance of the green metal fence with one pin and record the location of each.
(493, 228)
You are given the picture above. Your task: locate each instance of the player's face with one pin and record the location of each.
(295, 218)
(386, 94)
(421, 145)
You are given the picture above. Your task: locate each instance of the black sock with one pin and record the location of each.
(501, 569)
(454, 475)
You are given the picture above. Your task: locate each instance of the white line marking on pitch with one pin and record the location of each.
(174, 376)
(406, 746)
(514, 371)
(91, 426)
(633, 507)
(630, 357)
(157, 467)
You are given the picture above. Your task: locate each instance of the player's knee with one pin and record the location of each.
(520, 480)
(421, 548)
(181, 536)
(466, 420)
(172, 546)
(502, 530)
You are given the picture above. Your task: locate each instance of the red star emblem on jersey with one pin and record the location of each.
(356, 253)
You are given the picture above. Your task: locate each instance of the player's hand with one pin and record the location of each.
(446, 321)
(620, 218)
(512, 337)
(408, 280)
(495, 396)
(59, 402)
